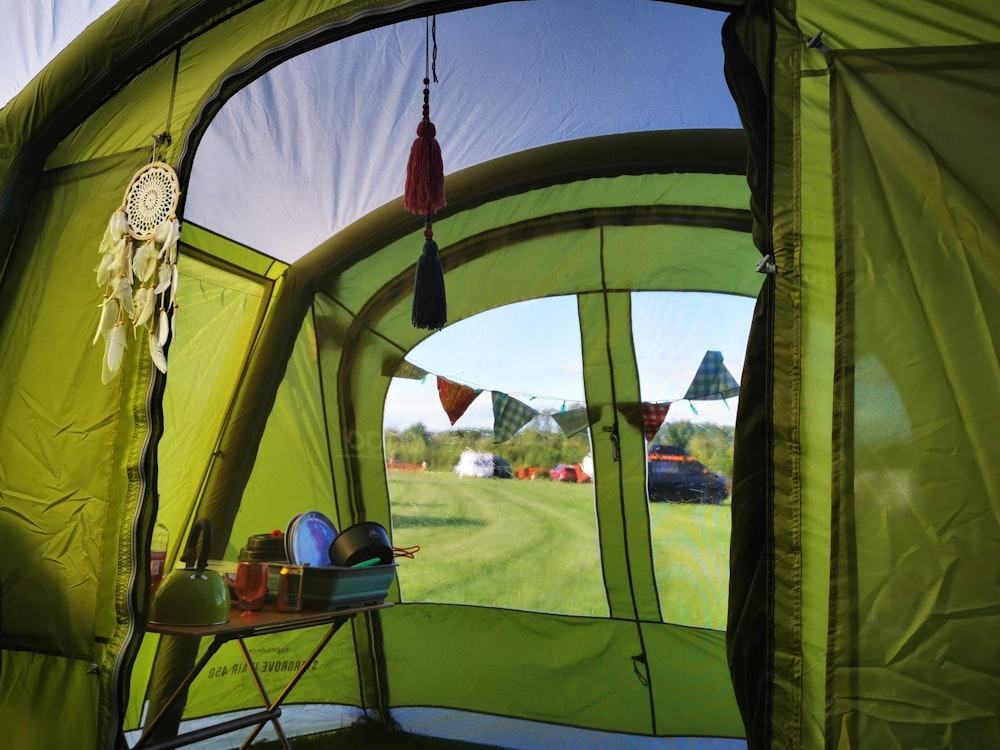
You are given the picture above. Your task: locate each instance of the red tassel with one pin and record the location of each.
(424, 193)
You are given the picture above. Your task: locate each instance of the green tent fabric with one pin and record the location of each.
(864, 595)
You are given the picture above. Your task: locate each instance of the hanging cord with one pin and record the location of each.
(164, 139)
(159, 139)
(409, 552)
(430, 49)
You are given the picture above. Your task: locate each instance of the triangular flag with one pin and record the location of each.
(573, 421)
(712, 381)
(455, 398)
(410, 372)
(509, 416)
(652, 417)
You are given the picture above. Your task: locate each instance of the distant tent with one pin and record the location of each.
(477, 464)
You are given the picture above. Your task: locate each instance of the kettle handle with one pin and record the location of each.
(198, 545)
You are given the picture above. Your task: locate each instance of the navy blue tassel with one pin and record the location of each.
(430, 304)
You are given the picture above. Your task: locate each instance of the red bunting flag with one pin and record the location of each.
(652, 418)
(455, 398)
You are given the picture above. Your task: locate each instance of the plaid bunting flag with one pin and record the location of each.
(410, 372)
(509, 416)
(652, 417)
(455, 398)
(573, 421)
(712, 381)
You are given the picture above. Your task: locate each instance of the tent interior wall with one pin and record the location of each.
(830, 162)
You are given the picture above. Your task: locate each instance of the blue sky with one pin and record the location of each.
(506, 350)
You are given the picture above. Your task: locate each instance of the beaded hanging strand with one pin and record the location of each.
(424, 195)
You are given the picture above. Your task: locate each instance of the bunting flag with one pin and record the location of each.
(713, 381)
(652, 418)
(410, 372)
(573, 421)
(509, 416)
(455, 398)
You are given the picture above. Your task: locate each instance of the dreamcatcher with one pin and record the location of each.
(138, 267)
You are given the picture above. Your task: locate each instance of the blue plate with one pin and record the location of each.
(308, 539)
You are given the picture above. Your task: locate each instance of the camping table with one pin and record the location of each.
(263, 622)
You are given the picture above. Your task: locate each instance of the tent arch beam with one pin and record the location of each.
(721, 150)
(470, 249)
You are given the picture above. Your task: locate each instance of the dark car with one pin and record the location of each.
(675, 477)
(501, 469)
(563, 473)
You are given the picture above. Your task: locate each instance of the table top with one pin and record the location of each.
(263, 621)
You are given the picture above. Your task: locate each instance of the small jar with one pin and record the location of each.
(290, 589)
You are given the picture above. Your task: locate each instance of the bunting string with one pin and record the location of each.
(712, 382)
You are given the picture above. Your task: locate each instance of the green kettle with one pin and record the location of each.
(192, 595)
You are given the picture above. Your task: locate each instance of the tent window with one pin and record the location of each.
(497, 523)
(678, 338)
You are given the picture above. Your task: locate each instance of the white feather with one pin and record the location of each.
(106, 374)
(104, 269)
(127, 261)
(123, 293)
(163, 279)
(174, 278)
(161, 234)
(163, 327)
(107, 242)
(109, 313)
(150, 309)
(156, 352)
(145, 304)
(170, 246)
(116, 347)
(118, 226)
(115, 265)
(139, 297)
(144, 263)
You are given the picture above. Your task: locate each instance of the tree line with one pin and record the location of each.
(541, 444)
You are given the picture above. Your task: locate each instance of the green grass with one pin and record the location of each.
(498, 542)
(533, 545)
(691, 560)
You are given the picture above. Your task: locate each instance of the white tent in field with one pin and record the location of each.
(830, 164)
(475, 464)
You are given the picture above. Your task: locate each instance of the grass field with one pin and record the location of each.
(533, 545)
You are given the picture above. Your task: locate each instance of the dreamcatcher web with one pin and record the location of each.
(151, 199)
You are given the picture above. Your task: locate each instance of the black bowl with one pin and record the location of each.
(361, 543)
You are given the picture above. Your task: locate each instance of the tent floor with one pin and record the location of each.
(372, 737)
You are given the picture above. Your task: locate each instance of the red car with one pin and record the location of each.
(563, 473)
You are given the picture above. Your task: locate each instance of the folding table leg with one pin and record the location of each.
(185, 683)
(291, 683)
(264, 697)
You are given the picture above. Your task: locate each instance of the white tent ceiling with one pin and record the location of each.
(32, 32)
(294, 157)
